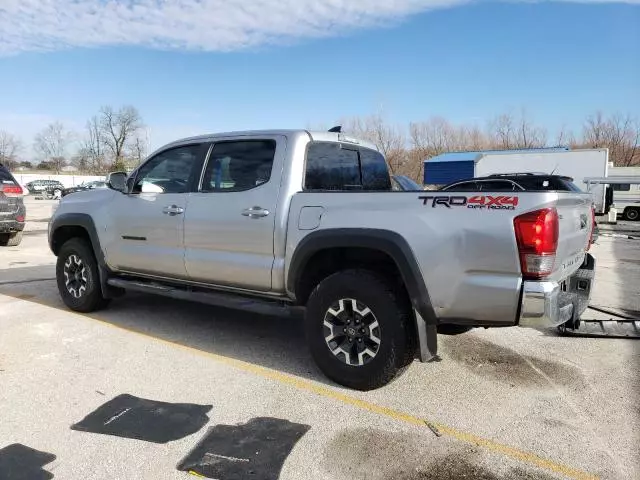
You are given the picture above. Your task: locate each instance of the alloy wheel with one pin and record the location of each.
(75, 276)
(352, 332)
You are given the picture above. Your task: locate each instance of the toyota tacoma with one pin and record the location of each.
(297, 218)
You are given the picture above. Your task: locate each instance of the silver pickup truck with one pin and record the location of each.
(299, 218)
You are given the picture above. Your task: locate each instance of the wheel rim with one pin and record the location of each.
(352, 332)
(632, 214)
(75, 276)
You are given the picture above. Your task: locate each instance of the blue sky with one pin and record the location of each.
(468, 62)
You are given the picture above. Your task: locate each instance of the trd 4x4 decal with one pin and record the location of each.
(481, 202)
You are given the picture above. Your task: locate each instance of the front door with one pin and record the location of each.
(148, 222)
(229, 225)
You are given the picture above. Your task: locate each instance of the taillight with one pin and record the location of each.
(11, 190)
(537, 238)
(593, 227)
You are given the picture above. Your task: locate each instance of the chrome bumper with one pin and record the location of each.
(550, 304)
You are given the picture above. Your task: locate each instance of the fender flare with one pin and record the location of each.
(386, 241)
(84, 221)
(398, 249)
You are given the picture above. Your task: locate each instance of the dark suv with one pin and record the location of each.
(514, 182)
(12, 209)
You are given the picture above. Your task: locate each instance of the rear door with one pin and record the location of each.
(148, 222)
(230, 222)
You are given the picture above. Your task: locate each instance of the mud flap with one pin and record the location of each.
(427, 339)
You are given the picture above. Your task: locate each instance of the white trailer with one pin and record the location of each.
(624, 194)
(577, 164)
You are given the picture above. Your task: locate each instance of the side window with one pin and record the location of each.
(375, 174)
(463, 187)
(621, 187)
(238, 165)
(167, 172)
(496, 186)
(332, 167)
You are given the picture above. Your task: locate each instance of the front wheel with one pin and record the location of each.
(358, 328)
(78, 278)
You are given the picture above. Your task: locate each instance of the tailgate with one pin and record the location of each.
(9, 204)
(575, 227)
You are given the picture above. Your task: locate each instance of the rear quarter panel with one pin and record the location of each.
(467, 256)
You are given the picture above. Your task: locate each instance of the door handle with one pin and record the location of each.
(172, 210)
(255, 212)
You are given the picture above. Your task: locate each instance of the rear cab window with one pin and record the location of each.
(342, 167)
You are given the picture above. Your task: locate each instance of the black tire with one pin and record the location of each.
(90, 298)
(390, 308)
(10, 239)
(632, 214)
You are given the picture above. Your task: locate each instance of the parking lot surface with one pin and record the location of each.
(152, 388)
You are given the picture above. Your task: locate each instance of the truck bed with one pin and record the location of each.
(464, 242)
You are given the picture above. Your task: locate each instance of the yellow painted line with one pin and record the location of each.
(301, 384)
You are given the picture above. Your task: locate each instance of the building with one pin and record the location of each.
(451, 167)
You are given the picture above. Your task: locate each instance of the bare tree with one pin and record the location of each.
(503, 131)
(52, 143)
(529, 135)
(619, 133)
(623, 136)
(564, 137)
(10, 145)
(138, 150)
(594, 131)
(437, 135)
(118, 128)
(508, 131)
(93, 147)
(476, 139)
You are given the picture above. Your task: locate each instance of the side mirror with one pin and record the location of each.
(117, 181)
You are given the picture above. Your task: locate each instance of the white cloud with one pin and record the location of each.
(212, 25)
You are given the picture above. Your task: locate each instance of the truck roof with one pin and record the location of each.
(315, 135)
(523, 181)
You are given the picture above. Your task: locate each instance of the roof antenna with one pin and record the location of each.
(336, 129)
(554, 169)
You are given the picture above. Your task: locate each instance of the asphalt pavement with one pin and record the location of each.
(152, 389)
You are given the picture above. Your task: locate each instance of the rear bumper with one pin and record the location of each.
(11, 226)
(550, 304)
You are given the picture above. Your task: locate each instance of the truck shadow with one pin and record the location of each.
(271, 341)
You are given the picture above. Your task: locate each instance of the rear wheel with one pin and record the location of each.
(78, 278)
(631, 213)
(10, 239)
(359, 329)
